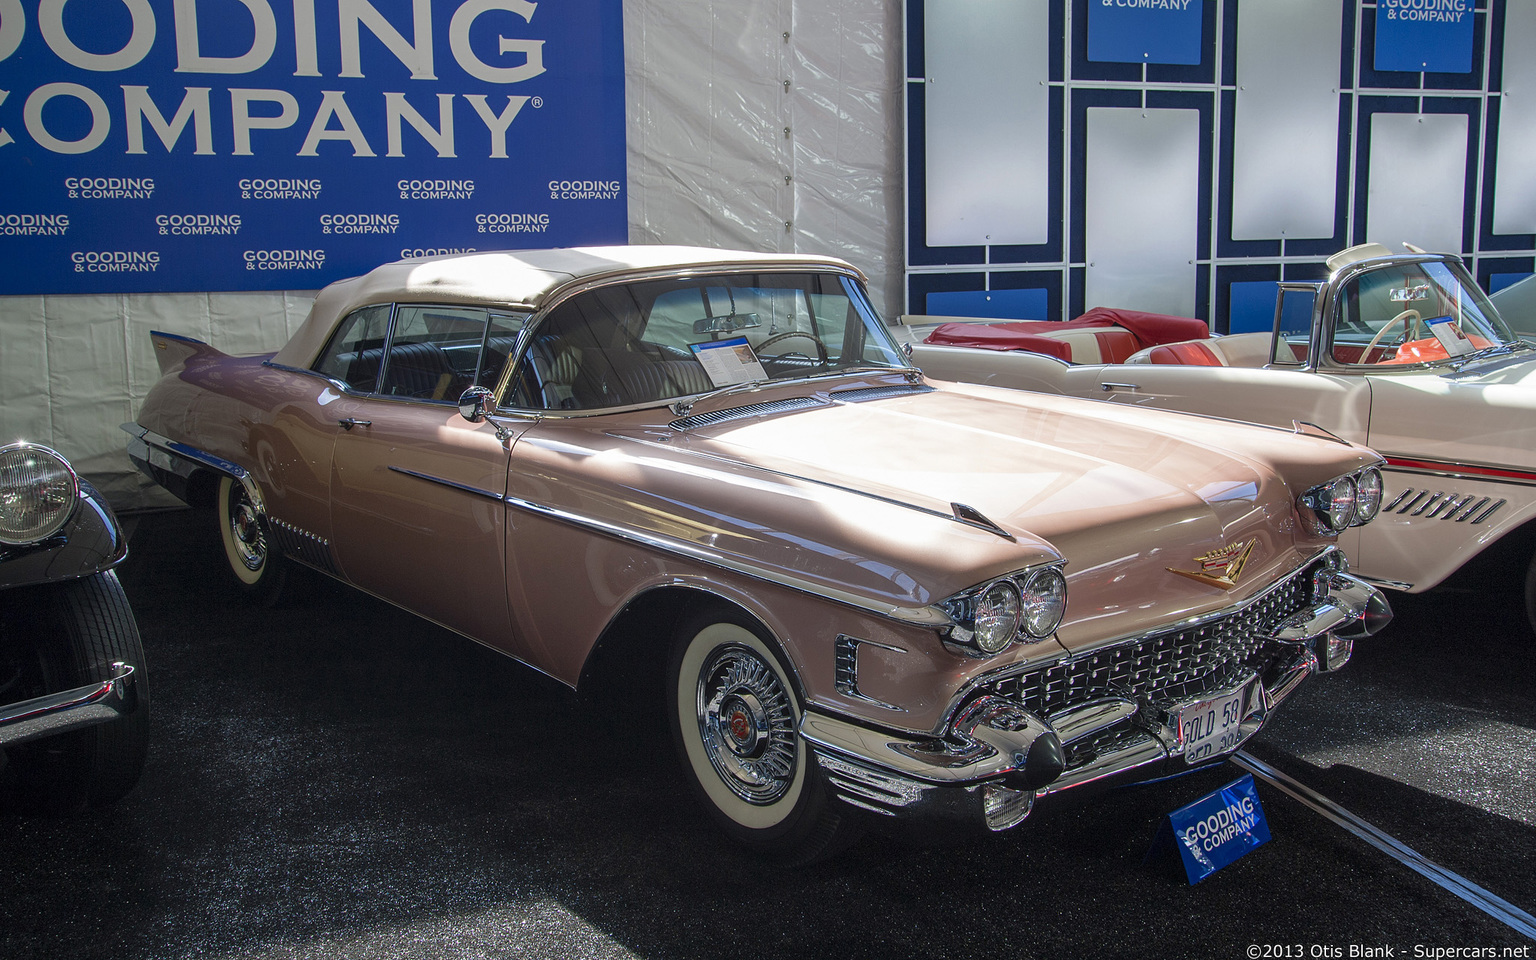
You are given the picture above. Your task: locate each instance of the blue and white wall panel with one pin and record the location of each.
(1198, 151)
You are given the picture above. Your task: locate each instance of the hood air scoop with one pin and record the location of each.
(970, 515)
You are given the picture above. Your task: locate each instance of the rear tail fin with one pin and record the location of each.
(173, 351)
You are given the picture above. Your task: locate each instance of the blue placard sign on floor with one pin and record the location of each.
(1215, 830)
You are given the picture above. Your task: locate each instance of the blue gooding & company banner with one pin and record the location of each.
(1215, 830)
(206, 145)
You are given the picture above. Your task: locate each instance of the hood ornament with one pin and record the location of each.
(1221, 568)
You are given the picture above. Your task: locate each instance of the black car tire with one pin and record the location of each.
(80, 629)
(258, 569)
(735, 721)
(1530, 595)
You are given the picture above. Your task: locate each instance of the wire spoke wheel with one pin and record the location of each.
(735, 719)
(747, 725)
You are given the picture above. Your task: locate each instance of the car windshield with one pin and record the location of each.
(1414, 312)
(661, 339)
(1517, 305)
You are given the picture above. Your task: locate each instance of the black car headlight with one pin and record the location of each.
(1020, 607)
(38, 490)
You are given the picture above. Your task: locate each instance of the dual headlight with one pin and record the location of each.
(1023, 606)
(38, 490)
(1344, 502)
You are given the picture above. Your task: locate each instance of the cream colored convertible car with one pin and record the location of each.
(713, 478)
(1400, 352)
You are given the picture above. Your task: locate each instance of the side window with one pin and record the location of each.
(1293, 331)
(435, 351)
(440, 351)
(574, 358)
(499, 346)
(355, 355)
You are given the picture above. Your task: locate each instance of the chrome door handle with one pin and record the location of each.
(349, 423)
(1107, 386)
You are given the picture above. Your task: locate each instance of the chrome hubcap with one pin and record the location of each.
(747, 724)
(249, 542)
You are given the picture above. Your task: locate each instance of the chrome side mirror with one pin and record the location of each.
(475, 403)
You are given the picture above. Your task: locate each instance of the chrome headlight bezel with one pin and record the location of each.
(1343, 502)
(998, 614)
(38, 493)
(1370, 490)
(1044, 594)
(982, 623)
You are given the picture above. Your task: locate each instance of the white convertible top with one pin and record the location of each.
(521, 279)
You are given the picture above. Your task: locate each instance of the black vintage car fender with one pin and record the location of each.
(74, 699)
(90, 543)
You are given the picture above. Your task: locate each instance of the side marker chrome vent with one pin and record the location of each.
(1443, 506)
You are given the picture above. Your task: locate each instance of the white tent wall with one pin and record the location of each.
(721, 152)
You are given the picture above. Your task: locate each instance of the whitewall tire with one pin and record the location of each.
(257, 568)
(735, 720)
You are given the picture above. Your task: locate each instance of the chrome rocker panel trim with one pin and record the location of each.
(997, 760)
(69, 710)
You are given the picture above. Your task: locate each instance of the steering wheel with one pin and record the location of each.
(1404, 317)
(821, 348)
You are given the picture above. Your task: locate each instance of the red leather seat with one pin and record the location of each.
(1190, 354)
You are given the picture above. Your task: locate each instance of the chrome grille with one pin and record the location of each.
(1171, 666)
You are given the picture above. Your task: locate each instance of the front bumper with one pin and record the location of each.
(1014, 745)
(69, 710)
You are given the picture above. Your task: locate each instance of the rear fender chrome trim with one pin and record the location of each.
(163, 452)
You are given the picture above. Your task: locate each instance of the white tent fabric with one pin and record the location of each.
(771, 126)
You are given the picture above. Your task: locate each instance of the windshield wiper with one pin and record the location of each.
(1488, 353)
(681, 407)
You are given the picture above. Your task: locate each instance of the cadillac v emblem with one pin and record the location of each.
(1221, 568)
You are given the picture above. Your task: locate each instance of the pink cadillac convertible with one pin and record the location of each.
(713, 478)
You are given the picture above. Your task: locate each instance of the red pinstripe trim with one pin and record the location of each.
(1461, 469)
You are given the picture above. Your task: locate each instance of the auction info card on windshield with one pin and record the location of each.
(729, 361)
(269, 145)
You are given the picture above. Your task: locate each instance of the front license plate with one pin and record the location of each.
(1213, 727)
